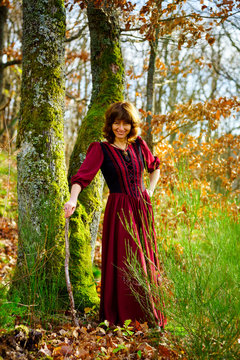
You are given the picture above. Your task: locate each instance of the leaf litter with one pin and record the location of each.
(88, 341)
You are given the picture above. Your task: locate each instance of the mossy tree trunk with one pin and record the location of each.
(150, 89)
(42, 181)
(107, 87)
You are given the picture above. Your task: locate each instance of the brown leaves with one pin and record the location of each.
(11, 52)
(62, 350)
(215, 159)
(5, 3)
(170, 18)
(122, 4)
(8, 247)
(19, 343)
(209, 38)
(184, 114)
(72, 55)
(188, 26)
(88, 342)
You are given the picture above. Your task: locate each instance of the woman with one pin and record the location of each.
(122, 159)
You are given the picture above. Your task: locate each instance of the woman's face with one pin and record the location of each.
(121, 129)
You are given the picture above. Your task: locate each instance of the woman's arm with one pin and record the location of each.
(84, 176)
(70, 206)
(153, 176)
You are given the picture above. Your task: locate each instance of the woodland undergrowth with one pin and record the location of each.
(35, 331)
(199, 253)
(197, 232)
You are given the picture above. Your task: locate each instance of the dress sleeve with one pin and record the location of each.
(90, 166)
(151, 162)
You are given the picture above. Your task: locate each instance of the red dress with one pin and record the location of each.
(128, 202)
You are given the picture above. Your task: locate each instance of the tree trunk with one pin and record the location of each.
(42, 182)
(107, 87)
(150, 89)
(3, 19)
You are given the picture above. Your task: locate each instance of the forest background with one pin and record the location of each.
(178, 62)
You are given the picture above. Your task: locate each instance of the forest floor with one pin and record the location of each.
(26, 337)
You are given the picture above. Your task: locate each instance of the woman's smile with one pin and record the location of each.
(121, 128)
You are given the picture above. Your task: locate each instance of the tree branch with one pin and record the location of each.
(230, 38)
(131, 29)
(199, 16)
(137, 38)
(225, 74)
(10, 63)
(75, 98)
(233, 24)
(68, 282)
(177, 128)
(76, 36)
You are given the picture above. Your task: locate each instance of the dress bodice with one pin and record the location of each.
(122, 175)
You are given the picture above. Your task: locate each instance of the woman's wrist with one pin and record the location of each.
(73, 201)
(76, 189)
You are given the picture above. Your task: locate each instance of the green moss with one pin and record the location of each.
(22, 328)
(81, 266)
(42, 183)
(42, 83)
(41, 256)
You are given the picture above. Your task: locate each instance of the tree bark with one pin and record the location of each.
(107, 87)
(3, 19)
(42, 181)
(150, 89)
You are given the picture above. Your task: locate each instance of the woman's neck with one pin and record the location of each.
(120, 142)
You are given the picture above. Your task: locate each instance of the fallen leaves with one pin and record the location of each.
(96, 342)
(86, 342)
(8, 247)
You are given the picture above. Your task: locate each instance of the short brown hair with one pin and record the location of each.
(121, 110)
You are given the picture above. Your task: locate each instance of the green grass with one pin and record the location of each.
(199, 250)
(35, 288)
(10, 310)
(205, 286)
(8, 185)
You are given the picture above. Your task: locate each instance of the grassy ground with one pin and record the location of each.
(204, 277)
(8, 186)
(8, 234)
(199, 249)
(198, 236)
(53, 336)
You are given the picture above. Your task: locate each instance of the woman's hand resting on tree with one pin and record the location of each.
(69, 208)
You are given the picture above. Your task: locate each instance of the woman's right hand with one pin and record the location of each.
(69, 208)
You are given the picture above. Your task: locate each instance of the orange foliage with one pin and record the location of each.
(72, 55)
(169, 17)
(5, 3)
(189, 114)
(212, 162)
(12, 53)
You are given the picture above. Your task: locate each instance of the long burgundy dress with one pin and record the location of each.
(128, 202)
